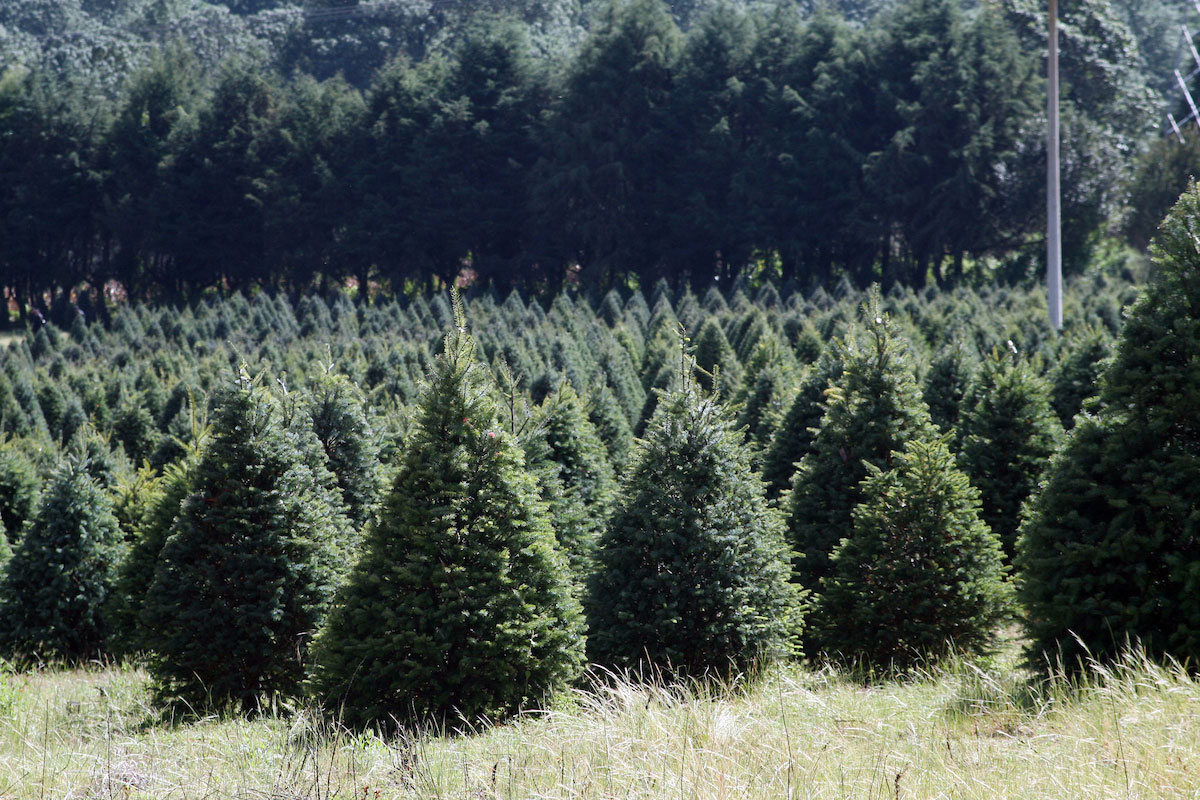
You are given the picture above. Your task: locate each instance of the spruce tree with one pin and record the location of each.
(60, 574)
(1108, 554)
(920, 576)
(692, 575)
(871, 411)
(1008, 438)
(460, 608)
(250, 563)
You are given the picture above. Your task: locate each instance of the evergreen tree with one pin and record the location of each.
(250, 563)
(871, 411)
(612, 426)
(567, 446)
(460, 608)
(1008, 439)
(19, 486)
(920, 576)
(715, 354)
(947, 384)
(60, 574)
(129, 634)
(1108, 553)
(794, 436)
(1075, 378)
(340, 422)
(692, 572)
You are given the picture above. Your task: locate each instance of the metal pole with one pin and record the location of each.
(1053, 194)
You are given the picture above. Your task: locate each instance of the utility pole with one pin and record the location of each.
(1053, 194)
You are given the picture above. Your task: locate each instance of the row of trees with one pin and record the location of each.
(760, 141)
(504, 534)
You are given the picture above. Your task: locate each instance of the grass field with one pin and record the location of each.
(1133, 731)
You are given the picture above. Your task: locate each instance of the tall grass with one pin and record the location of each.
(1128, 730)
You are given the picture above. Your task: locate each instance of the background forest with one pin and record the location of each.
(160, 148)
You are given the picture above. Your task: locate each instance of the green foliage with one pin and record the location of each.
(568, 452)
(715, 356)
(351, 447)
(19, 486)
(1109, 550)
(460, 608)
(60, 574)
(793, 438)
(1076, 377)
(871, 411)
(1008, 438)
(250, 563)
(920, 577)
(692, 572)
(948, 384)
(128, 633)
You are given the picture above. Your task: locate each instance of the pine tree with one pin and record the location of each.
(692, 574)
(250, 563)
(1008, 439)
(460, 608)
(60, 574)
(1108, 553)
(920, 576)
(871, 411)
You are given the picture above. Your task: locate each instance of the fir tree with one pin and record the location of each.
(340, 422)
(947, 384)
(60, 574)
(129, 633)
(19, 486)
(1075, 378)
(567, 446)
(920, 576)
(611, 425)
(871, 411)
(794, 435)
(460, 608)
(692, 574)
(250, 563)
(715, 354)
(1108, 554)
(1008, 439)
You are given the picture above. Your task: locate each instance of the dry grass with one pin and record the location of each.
(1132, 731)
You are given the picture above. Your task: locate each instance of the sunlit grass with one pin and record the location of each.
(965, 732)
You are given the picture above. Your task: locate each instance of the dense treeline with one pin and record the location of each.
(770, 141)
(265, 498)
